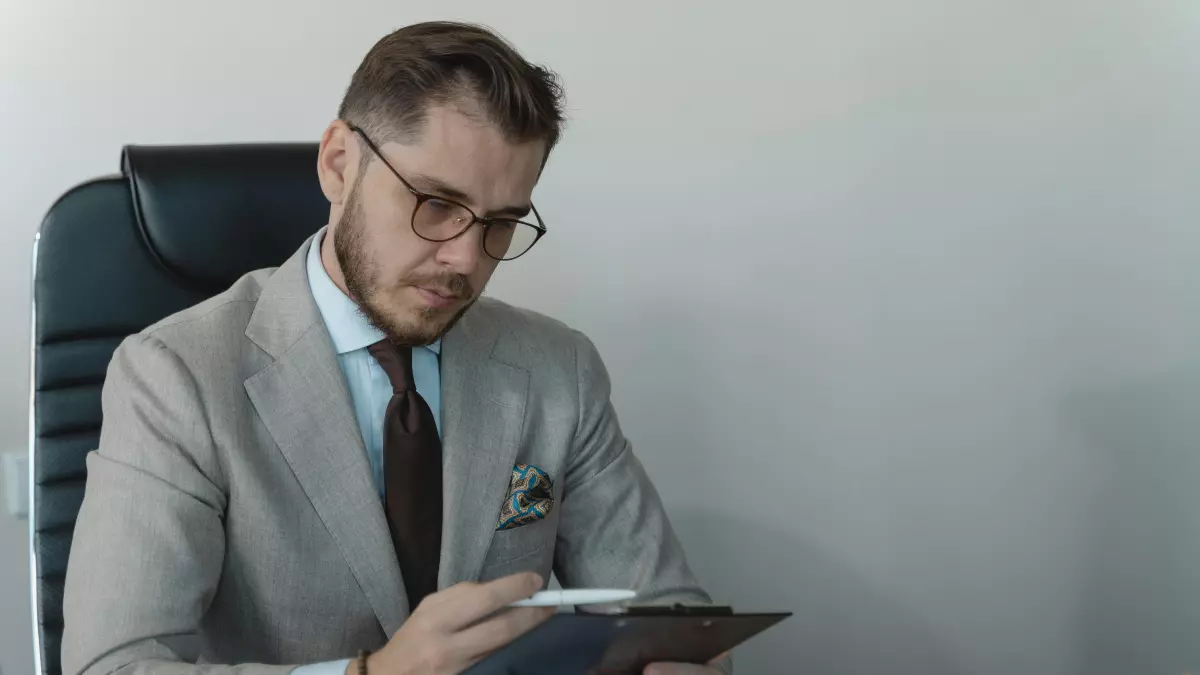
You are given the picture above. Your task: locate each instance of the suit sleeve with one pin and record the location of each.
(614, 532)
(149, 542)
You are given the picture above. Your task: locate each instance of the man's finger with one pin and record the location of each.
(464, 604)
(679, 669)
(720, 658)
(497, 631)
(686, 668)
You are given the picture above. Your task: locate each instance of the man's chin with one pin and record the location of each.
(423, 326)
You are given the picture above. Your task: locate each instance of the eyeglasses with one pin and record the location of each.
(438, 219)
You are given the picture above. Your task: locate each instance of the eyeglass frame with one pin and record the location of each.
(423, 197)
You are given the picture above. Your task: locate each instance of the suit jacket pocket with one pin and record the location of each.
(526, 548)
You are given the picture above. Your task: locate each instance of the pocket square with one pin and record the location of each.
(530, 497)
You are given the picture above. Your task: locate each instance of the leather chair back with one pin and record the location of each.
(114, 255)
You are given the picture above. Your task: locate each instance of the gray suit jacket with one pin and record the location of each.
(230, 515)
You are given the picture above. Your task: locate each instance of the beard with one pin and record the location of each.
(365, 285)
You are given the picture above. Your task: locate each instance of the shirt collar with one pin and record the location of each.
(348, 327)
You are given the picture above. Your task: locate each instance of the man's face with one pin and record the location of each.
(410, 288)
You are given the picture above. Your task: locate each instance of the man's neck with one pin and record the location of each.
(330, 262)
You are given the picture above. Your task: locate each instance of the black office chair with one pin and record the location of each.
(115, 255)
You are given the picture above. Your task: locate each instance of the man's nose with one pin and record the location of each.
(462, 253)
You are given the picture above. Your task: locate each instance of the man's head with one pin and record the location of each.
(437, 117)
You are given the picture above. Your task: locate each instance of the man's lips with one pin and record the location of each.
(436, 297)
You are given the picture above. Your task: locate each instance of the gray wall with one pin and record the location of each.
(901, 299)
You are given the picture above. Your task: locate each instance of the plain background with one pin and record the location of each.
(901, 300)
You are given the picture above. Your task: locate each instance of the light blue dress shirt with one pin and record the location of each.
(370, 389)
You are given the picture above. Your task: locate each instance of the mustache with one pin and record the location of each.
(453, 285)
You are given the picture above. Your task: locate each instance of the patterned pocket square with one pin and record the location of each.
(530, 497)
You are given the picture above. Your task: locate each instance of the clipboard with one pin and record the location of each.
(625, 643)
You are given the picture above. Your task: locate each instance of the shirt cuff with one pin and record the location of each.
(327, 668)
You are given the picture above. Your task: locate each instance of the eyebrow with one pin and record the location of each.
(439, 188)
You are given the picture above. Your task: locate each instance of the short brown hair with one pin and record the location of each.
(443, 62)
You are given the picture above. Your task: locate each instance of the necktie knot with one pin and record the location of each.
(396, 363)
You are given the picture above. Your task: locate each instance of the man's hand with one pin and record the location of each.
(684, 668)
(453, 629)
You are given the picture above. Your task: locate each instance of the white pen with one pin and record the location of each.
(579, 596)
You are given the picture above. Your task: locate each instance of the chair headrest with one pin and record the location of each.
(212, 213)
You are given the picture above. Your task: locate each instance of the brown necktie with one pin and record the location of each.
(412, 474)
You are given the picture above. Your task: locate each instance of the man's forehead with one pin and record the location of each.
(449, 130)
(465, 159)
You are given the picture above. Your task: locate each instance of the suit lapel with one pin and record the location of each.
(303, 401)
(483, 410)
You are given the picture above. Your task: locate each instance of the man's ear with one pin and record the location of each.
(337, 162)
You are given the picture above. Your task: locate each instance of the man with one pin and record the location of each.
(287, 470)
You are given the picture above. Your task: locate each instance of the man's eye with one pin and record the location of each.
(439, 206)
